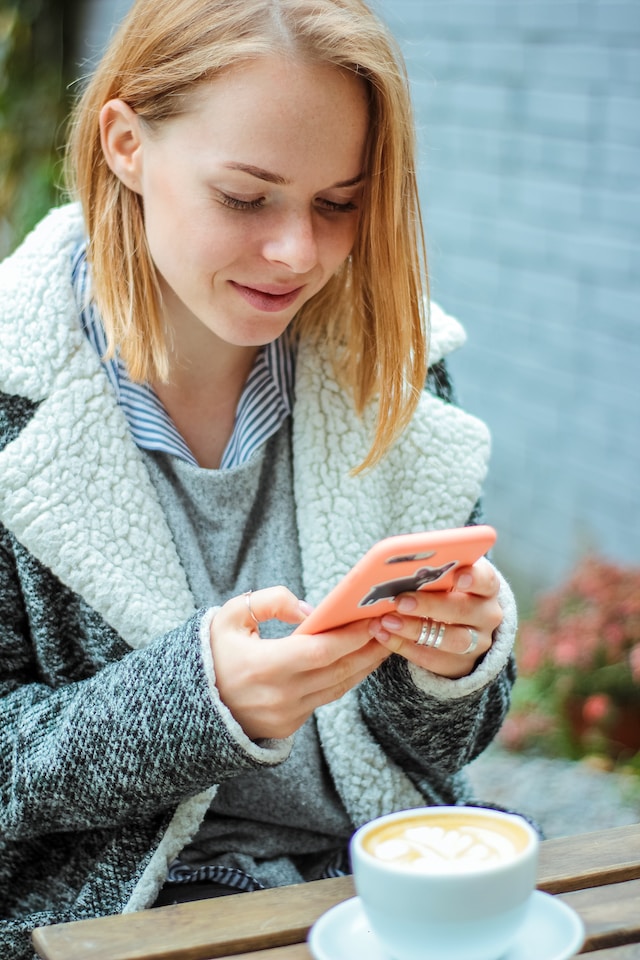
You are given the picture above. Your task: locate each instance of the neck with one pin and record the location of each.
(201, 397)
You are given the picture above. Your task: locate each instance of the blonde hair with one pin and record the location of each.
(372, 313)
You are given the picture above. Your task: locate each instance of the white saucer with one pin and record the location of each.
(551, 931)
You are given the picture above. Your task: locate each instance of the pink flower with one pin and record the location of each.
(582, 639)
(614, 634)
(566, 652)
(596, 708)
(531, 650)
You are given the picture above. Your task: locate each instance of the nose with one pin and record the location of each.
(292, 242)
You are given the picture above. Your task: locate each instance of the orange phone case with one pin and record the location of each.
(400, 564)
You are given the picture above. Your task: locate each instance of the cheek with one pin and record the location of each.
(163, 220)
(176, 231)
(172, 215)
(340, 242)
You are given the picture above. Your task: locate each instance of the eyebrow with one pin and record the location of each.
(280, 180)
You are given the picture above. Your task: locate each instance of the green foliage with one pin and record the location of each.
(35, 51)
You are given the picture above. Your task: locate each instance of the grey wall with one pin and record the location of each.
(97, 22)
(529, 123)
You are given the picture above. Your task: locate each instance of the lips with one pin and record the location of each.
(270, 299)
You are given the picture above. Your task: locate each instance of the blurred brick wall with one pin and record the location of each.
(529, 122)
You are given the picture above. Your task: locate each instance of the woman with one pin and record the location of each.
(211, 378)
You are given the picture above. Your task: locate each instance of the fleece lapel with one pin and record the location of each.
(75, 490)
(76, 493)
(430, 480)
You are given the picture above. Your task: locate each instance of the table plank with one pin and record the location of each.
(298, 951)
(590, 859)
(630, 952)
(301, 952)
(611, 914)
(201, 930)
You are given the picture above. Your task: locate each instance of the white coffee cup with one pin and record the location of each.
(445, 882)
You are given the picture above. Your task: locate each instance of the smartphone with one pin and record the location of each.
(395, 565)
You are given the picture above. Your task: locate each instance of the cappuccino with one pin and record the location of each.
(446, 841)
(452, 882)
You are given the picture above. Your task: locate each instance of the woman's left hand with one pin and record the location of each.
(445, 632)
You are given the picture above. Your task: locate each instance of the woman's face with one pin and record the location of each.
(251, 199)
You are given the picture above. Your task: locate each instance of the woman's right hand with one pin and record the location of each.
(272, 686)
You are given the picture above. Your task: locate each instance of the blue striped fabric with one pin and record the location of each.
(265, 402)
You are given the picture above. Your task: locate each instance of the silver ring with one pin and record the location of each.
(247, 600)
(436, 634)
(473, 642)
(431, 633)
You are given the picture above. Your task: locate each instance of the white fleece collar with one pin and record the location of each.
(75, 490)
(431, 479)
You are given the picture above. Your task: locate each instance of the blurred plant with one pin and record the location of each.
(578, 692)
(36, 42)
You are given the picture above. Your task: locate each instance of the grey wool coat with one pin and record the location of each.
(112, 733)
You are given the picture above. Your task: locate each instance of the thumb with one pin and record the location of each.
(272, 603)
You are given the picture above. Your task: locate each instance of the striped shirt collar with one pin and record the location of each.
(264, 405)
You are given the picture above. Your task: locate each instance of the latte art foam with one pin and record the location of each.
(424, 846)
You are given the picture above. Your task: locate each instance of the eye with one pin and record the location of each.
(332, 207)
(236, 204)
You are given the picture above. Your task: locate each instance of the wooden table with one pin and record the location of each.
(598, 874)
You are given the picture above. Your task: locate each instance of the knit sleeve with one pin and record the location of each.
(432, 726)
(92, 733)
(433, 737)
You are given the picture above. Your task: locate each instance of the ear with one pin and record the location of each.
(121, 138)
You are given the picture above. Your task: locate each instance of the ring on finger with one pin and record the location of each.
(473, 642)
(247, 600)
(431, 633)
(436, 634)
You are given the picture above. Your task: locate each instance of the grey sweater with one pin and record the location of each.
(236, 529)
(113, 739)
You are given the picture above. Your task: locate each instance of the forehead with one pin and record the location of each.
(277, 110)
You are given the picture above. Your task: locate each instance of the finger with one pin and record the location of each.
(452, 638)
(457, 607)
(322, 649)
(442, 661)
(480, 579)
(255, 606)
(346, 673)
(431, 634)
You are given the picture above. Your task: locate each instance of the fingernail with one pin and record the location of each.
(305, 608)
(406, 604)
(391, 622)
(465, 580)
